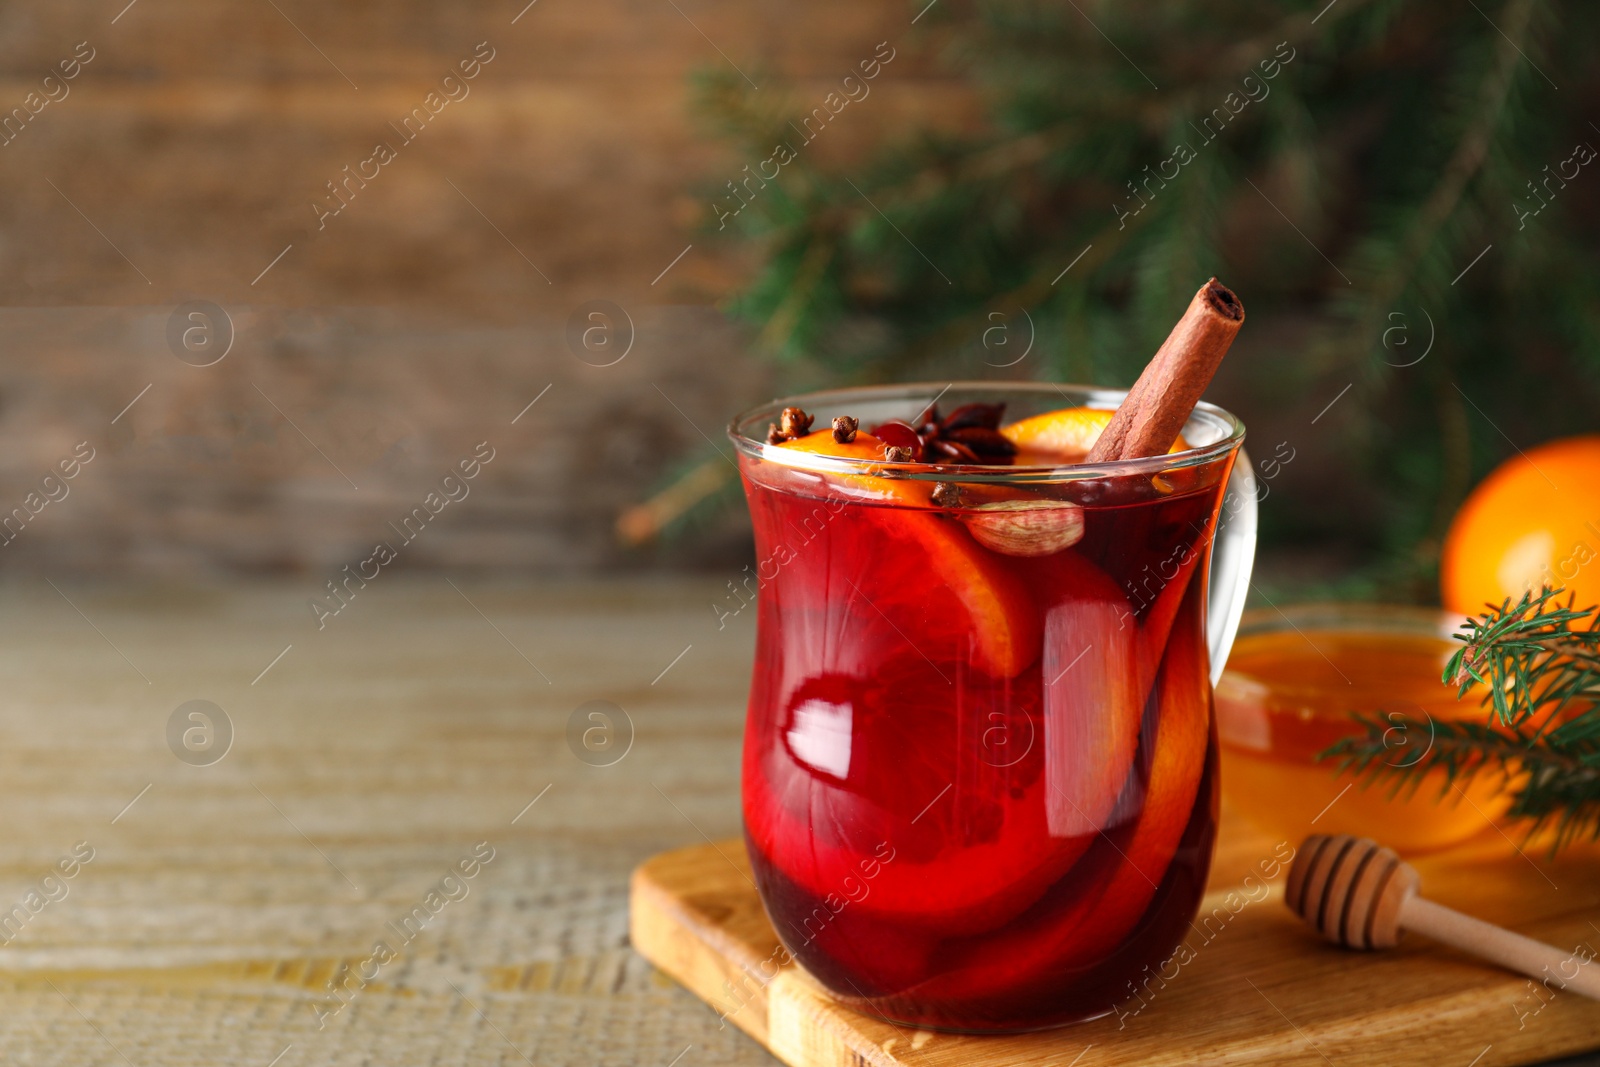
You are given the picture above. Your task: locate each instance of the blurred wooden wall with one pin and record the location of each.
(183, 159)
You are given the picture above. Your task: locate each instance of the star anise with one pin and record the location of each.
(969, 434)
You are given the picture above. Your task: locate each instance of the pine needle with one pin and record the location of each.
(1536, 663)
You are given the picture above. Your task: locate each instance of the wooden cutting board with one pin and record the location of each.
(1260, 987)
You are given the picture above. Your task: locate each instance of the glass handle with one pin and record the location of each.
(1232, 557)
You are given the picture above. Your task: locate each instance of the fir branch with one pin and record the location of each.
(1538, 664)
(1401, 141)
(1464, 162)
(1421, 247)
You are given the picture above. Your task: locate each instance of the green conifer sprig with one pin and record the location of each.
(1537, 665)
(1401, 141)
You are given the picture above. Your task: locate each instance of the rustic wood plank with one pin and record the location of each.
(241, 466)
(199, 137)
(183, 165)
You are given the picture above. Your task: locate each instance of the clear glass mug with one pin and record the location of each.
(980, 762)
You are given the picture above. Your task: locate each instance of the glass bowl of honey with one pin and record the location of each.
(1293, 681)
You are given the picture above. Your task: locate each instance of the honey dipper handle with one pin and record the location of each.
(1541, 962)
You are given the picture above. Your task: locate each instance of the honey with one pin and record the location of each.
(1294, 679)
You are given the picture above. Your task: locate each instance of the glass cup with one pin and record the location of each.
(980, 763)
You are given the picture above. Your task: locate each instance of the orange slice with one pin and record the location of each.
(1093, 706)
(977, 836)
(996, 615)
(1095, 922)
(1176, 767)
(867, 447)
(1000, 621)
(823, 443)
(1067, 433)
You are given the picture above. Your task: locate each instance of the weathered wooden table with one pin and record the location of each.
(376, 754)
(292, 902)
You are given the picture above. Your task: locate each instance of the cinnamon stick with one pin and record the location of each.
(1159, 403)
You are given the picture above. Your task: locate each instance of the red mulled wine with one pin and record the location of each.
(980, 783)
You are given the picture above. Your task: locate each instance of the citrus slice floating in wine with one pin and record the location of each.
(946, 592)
(1066, 434)
(970, 860)
(873, 481)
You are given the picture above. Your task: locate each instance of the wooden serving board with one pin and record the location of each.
(1260, 987)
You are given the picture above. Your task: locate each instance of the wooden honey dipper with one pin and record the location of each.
(1361, 895)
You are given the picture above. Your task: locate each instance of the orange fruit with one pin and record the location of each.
(1534, 521)
(1067, 433)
